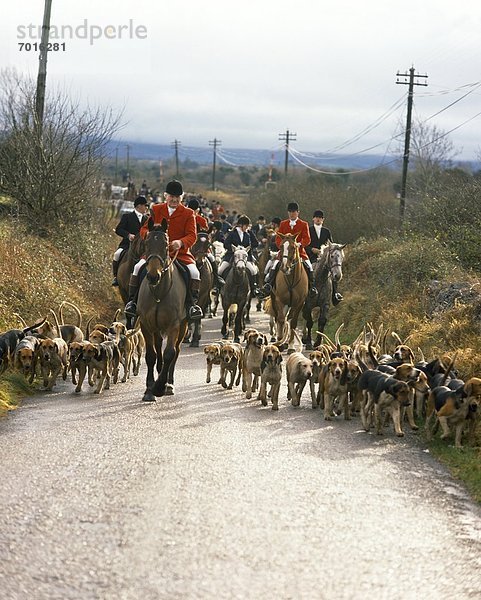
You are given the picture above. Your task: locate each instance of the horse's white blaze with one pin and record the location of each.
(285, 253)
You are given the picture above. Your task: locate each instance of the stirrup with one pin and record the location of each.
(337, 297)
(313, 293)
(115, 283)
(220, 282)
(195, 313)
(131, 308)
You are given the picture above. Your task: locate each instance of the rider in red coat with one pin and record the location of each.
(293, 225)
(182, 235)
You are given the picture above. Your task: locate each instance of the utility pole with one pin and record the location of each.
(285, 137)
(408, 79)
(116, 163)
(215, 142)
(128, 159)
(175, 144)
(42, 67)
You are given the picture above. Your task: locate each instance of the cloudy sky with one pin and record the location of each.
(244, 72)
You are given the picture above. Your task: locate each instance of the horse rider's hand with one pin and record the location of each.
(175, 245)
(131, 237)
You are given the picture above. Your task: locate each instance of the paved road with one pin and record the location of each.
(208, 495)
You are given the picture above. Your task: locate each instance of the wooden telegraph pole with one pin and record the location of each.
(408, 79)
(286, 137)
(215, 142)
(42, 67)
(175, 144)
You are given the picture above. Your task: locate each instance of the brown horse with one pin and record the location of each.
(291, 287)
(162, 314)
(200, 250)
(126, 265)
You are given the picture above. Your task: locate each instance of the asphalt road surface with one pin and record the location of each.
(205, 494)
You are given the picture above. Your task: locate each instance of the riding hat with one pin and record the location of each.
(292, 206)
(174, 188)
(193, 204)
(276, 220)
(243, 220)
(140, 200)
(318, 213)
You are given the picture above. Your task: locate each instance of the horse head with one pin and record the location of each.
(334, 260)
(201, 247)
(241, 254)
(290, 255)
(157, 251)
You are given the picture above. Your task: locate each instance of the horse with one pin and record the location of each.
(200, 250)
(235, 294)
(161, 311)
(327, 268)
(290, 290)
(219, 251)
(126, 265)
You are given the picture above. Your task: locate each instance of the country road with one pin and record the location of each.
(208, 495)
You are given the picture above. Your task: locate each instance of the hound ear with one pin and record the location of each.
(264, 337)
(342, 246)
(411, 354)
(263, 364)
(164, 225)
(279, 359)
(248, 249)
(468, 388)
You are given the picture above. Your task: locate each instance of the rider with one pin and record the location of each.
(242, 236)
(182, 235)
(128, 227)
(320, 235)
(293, 225)
(270, 240)
(203, 225)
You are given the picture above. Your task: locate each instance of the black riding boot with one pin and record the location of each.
(312, 293)
(115, 270)
(218, 281)
(336, 296)
(131, 306)
(254, 284)
(194, 311)
(269, 283)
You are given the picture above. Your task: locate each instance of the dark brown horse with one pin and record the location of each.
(200, 250)
(291, 286)
(126, 265)
(327, 268)
(162, 314)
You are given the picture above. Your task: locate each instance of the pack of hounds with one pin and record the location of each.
(360, 379)
(50, 348)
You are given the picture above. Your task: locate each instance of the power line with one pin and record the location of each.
(286, 137)
(215, 142)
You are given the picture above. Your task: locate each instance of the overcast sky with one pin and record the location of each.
(244, 72)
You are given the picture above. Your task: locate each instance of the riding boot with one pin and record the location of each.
(312, 293)
(254, 284)
(336, 296)
(115, 270)
(194, 311)
(218, 281)
(269, 282)
(131, 306)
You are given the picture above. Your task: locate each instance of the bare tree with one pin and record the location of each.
(53, 171)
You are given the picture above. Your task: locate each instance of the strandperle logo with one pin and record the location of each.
(84, 31)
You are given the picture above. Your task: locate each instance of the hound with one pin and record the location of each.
(8, 342)
(251, 364)
(231, 361)
(317, 359)
(53, 358)
(212, 356)
(298, 373)
(103, 360)
(78, 364)
(271, 373)
(25, 358)
(333, 385)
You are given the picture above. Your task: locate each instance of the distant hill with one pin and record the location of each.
(262, 158)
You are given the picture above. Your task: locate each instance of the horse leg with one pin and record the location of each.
(321, 323)
(169, 388)
(158, 341)
(169, 357)
(293, 324)
(196, 334)
(239, 324)
(307, 314)
(225, 319)
(150, 357)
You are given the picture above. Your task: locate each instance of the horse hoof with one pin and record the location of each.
(225, 336)
(236, 340)
(148, 396)
(194, 344)
(186, 341)
(158, 389)
(169, 390)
